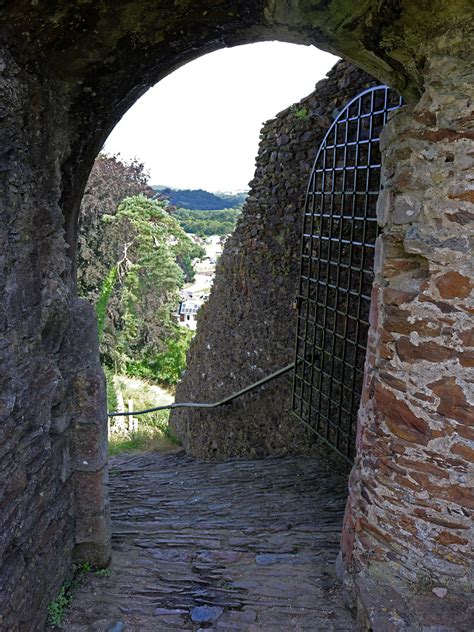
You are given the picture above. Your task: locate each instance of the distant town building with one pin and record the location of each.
(187, 312)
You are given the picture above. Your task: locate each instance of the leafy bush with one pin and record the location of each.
(168, 366)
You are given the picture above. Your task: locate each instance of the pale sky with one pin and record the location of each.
(199, 127)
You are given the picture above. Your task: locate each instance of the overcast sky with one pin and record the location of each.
(199, 127)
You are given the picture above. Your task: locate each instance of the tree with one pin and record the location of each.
(110, 181)
(146, 278)
(133, 259)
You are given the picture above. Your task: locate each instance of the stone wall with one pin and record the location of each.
(68, 72)
(247, 329)
(409, 514)
(52, 405)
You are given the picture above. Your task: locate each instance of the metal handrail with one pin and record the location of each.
(221, 402)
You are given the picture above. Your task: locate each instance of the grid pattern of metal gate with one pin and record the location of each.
(337, 259)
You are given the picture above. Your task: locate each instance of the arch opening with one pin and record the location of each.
(64, 84)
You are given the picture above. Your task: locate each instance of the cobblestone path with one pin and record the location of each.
(237, 546)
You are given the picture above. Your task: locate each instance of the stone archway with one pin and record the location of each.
(67, 74)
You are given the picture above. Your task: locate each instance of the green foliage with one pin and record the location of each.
(204, 223)
(186, 252)
(104, 297)
(300, 112)
(168, 366)
(140, 292)
(172, 363)
(82, 568)
(57, 608)
(103, 572)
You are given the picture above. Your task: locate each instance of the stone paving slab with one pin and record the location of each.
(241, 545)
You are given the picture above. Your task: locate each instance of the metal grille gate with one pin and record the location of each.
(337, 258)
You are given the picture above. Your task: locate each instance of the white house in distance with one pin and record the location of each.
(187, 312)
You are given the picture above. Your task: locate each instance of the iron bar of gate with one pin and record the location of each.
(336, 274)
(221, 402)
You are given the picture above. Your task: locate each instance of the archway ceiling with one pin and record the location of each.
(97, 57)
(131, 44)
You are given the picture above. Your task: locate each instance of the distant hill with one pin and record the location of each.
(201, 200)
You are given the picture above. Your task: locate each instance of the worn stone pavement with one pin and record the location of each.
(236, 546)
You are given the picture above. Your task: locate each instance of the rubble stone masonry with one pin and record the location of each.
(247, 329)
(53, 427)
(68, 73)
(412, 492)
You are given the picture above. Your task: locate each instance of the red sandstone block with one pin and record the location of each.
(393, 267)
(429, 351)
(461, 217)
(405, 483)
(453, 402)
(447, 522)
(442, 134)
(392, 296)
(423, 397)
(465, 196)
(463, 450)
(453, 285)
(446, 538)
(466, 358)
(394, 382)
(467, 337)
(424, 466)
(399, 418)
(397, 320)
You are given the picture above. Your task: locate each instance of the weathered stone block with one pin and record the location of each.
(88, 446)
(428, 351)
(93, 528)
(90, 489)
(384, 206)
(89, 393)
(452, 284)
(405, 209)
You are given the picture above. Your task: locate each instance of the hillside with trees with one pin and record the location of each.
(201, 200)
(205, 223)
